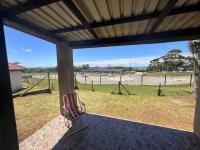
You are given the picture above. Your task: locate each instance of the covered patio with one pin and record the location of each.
(108, 133)
(94, 23)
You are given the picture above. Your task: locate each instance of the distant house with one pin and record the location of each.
(103, 70)
(16, 76)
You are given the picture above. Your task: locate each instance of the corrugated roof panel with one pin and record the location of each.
(197, 24)
(126, 29)
(192, 21)
(85, 34)
(61, 15)
(118, 30)
(88, 9)
(190, 2)
(101, 32)
(184, 20)
(139, 8)
(180, 21)
(164, 23)
(10, 3)
(33, 18)
(89, 34)
(126, 8)
(70, 16)
(54, 16)
(133, 28)
(173, 22)
(81, 35)
(150, 6)
(181, 3)
(103, 10)
(40, 12)
(114, 8)
(110, 31)
(69, 36)
(149, 25)
(162, 4)
(142, 26)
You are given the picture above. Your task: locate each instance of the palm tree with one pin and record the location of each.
(194, 47)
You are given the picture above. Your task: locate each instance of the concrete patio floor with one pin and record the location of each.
(106, 133)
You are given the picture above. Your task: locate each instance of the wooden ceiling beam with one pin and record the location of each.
(158, 37)
(163, 14)
(70, 4)
(29, 5)
(175, 11)
(27, 27)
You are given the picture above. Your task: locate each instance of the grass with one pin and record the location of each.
(171, 111)
(167, 73)
(149, 90)
(33, 112)
(175, 109)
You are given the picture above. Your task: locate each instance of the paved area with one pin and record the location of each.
(46, 137)
(106, 133)
(127, 79)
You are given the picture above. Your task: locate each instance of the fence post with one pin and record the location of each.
(165, 79)
(191, 80)
(100, 79)
(92, 86)
(141, 79)
(119, 86)
(52, 87)
(85, 79)
(76, 83)
(49, 84)
(159, 90)
(120, 79)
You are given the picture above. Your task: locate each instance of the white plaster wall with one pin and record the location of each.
(16, 80)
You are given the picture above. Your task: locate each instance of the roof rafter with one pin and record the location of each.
(158, 37)
(163, 14)
(30, 5)
(20, 24)
(70, 4)
(176, 11)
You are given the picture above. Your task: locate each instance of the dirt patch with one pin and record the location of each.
(186, 101)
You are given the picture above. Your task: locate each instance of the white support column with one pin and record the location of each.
(65, 70)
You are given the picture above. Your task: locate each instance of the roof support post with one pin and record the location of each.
(194, 45)
(8, 131)
(65, 70)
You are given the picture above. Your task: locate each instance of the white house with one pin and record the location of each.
(16, 76)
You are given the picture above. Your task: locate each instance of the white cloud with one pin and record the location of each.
(134, 61)
(15, 51)
(187, 54)
(26, 50)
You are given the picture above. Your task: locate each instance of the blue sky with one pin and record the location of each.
(34, 52)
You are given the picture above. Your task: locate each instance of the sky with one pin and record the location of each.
(34, 52)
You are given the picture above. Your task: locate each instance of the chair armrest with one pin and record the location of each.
(82, 106)
(82, 103)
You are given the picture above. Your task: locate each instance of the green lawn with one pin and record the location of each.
(175, 109)
(169, 90)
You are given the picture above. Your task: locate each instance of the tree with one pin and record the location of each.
(172, 61)
(194, 47)
(85, 66)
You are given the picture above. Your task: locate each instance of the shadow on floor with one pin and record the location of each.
(105, 133)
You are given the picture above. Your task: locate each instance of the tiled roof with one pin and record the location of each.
(15, 67)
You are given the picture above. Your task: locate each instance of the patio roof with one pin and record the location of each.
(93, 23)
